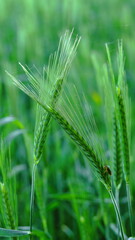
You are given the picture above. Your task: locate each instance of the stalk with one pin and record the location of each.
(40, 202)
(32, 196)
(129, 207)
(117, 196)
(117, 201)
(117, 214)
(104, 212)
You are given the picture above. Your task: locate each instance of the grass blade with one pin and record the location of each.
(13, 233)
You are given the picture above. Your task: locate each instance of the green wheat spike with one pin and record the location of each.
(124, 136)
(50, 86)
(42, 130)
(7, 206)
(88, 151)
(41, 135)
(117, 158)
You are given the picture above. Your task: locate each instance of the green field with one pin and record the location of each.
(70, 197)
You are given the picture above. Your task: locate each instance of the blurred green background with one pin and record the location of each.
(68, 196)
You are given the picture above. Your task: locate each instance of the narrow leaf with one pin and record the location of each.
(12, 233)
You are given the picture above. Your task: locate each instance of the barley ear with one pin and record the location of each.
(7, 189)
(117, 158)
(124, 113)
(75, 116)
(7, 207)
(41, 134)
(111, 81)
(87, 150)
(124, 135)
(48, 87)
(125, 126)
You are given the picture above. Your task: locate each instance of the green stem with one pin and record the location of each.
(32, 197)
(129, 208)
(117, 201)
(117, 196)
(117, 213)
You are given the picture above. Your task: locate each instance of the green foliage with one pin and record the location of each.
(12, 233)
(66, 208)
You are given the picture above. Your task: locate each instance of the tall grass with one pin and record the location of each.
(74, 116)
(29, 32)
